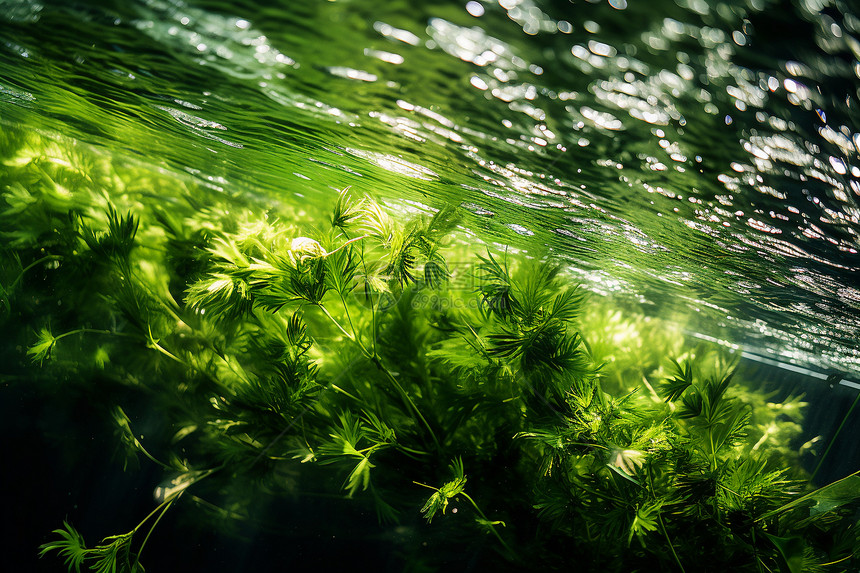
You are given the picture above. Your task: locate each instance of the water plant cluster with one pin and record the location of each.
(472, 398)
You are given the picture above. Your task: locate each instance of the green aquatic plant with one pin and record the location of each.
(113, 554)
(373, 358)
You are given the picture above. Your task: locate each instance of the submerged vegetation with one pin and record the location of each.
(475, 397)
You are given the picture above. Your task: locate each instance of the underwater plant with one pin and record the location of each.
(373, 359)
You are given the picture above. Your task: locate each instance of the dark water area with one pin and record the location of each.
(67, 476)
(694, 161)
(58, 471)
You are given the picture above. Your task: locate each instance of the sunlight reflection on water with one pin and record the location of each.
(678, 154)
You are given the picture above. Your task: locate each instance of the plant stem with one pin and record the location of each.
(847, 557)
(152, 343)
(755, 549)
(346, 243)
(375, 359)
(372, 306)
(166, 505)
(93, 331)
(669, 541)
(492, 526)
(150, 456)
(408, 400)
(836, 435)
(348, 317)
(654, 395)
(158, 508)
(30, 266)
(599, 495)
(341, 328)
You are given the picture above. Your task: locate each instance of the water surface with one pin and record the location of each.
(697, 158)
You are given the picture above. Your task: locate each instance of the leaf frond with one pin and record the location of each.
(438, 502)
(70, 547)
(41, 349)
(346, 210)
(674, 387)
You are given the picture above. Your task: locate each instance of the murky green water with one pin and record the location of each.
(697, 157)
